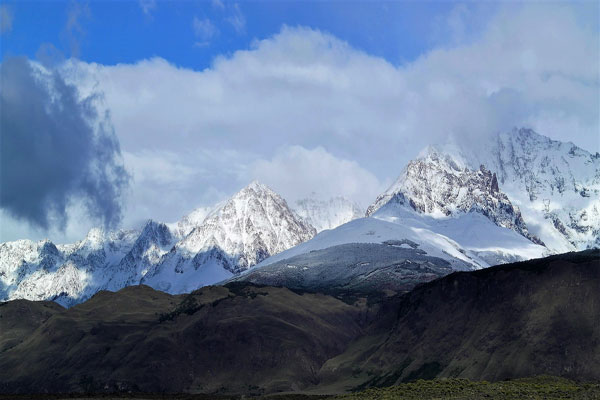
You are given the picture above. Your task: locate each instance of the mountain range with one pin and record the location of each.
(520, 196)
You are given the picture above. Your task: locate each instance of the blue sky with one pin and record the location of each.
(111, 32)
(181, 104)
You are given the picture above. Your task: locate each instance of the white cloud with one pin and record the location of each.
(6, 19)
(237, 18)
(295, 172)
(534, 65)
(203, 30)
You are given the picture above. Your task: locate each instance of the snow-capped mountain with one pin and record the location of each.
(418, 248)
(43, 271)
(325, 214)
(253, 225)
(153, 242)
(520, 196)
(198, 250)
(185, 225)
(555, 184)
(442, 186)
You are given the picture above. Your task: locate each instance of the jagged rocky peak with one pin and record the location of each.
(556, 184)
(442, 185)
(156, 232)
(252, 225)
(327, 213)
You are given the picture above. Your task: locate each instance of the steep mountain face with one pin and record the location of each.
(327, 214)
(198, 250)
(64, 273)
(555, 184)
(154, 241)
(253, 225)
(439, 185)
(185, 225)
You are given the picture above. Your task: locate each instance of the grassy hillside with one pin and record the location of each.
(542, 387)
(510, 321)
(243, 339)
(506, 322)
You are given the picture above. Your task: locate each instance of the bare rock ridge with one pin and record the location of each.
(439, 185)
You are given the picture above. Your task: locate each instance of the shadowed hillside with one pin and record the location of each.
(239, 339)
(510, 321)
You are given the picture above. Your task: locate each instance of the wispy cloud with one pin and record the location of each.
(204, 30)
(218, 4)
(147, 6)
(532, 65)
(6, 19)
(74, 31)
(237, 18)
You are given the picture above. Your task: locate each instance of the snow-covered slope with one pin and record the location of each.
(153, 242)
(65, 273)
(185, 225)
(203, 248)
(396, 248)
(253, 225)
(555, 184)
(468, 241)
(442, 186)
(325, 214)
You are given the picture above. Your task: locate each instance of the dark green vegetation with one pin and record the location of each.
(507, 322)
(542, 387)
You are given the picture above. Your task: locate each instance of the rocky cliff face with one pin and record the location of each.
(251, 226)
(440, 185)
(556, 184)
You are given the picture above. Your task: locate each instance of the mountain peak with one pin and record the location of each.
(257, 188)
(249, 227)
(441, 186)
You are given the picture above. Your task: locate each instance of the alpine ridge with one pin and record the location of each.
(439, 185)
(520, 196)
(254, 224)
(251, 226)
(555, 184)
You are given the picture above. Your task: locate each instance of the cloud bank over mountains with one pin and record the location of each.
(56, 150)
(306, 112)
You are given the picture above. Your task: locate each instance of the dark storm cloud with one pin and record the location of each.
(54, 149)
